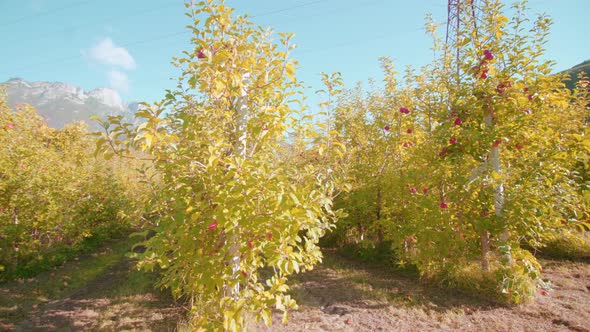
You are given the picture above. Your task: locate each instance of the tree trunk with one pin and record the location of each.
(378, 214)
(496, 166)
(485, 249)
(240, 148)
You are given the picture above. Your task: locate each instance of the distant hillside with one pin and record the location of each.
(575, 71)
(62, 103)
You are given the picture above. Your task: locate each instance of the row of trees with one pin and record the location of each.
(55, 196)
(470, 158)
(458, 166)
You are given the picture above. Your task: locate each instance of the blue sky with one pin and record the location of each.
(128, 44)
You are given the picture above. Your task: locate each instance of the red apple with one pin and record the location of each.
(250, 244)
(458, 121)
(409, 131)
(404, 110)
(453, 141)
(213, 225)
(497, 143)
(386, 128)
(444, 205)
(425, 191)
(484, 74)
(488, 55)
(412, 190)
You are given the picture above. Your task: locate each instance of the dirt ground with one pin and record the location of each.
(92, 308)
(339, 295)
(345, 295)
(97, 292)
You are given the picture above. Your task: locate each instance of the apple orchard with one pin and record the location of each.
(462, 168)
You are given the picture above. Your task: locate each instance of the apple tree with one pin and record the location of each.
(493, 162)
(55, 197)
(235, 217)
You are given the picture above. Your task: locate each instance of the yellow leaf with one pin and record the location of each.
(294, 198)
(290, 71)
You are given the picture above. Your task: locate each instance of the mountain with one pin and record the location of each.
(575, 71)
(62, 103)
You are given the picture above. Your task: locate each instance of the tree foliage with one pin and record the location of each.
(238, 208)
(54, 195)
(472, 156)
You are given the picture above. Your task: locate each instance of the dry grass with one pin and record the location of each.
(569, 245)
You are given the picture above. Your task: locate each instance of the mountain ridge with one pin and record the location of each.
(62, 103)
(574, 71)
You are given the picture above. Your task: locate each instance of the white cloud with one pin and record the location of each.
(118, 80)
(115, 60)
(107, 53)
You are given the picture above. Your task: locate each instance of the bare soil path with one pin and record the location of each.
(117, 297)
(340, 295)
(97, 307)
(345, 295)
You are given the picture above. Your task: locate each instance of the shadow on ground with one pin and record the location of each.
(102, 291)
(346, 295)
